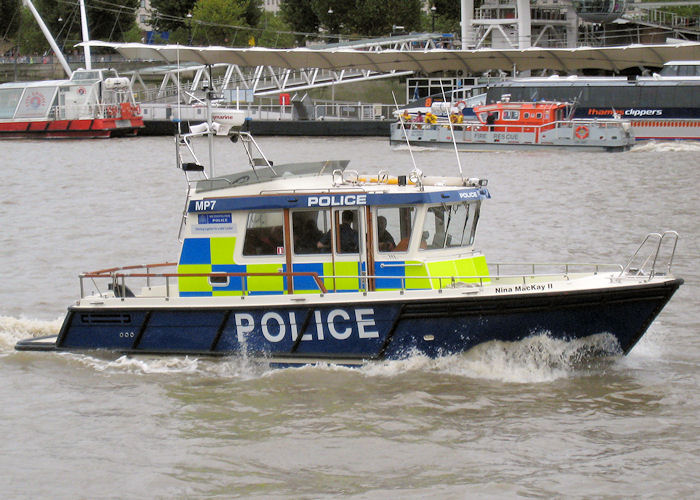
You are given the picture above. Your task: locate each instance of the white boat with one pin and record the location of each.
(92, 103)
(314, 262)
(515, 125)
(662, 107)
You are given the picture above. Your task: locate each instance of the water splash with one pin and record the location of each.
(232, 367)
(539, 358)
(14, 329)
(665, 147)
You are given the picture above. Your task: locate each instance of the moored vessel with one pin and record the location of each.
(308, 262)
(515, 125)
(661, 107)
(92, 103)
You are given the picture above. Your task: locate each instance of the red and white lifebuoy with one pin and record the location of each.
(461, 105)
(581, 132)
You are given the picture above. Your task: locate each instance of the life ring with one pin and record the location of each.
(461, 105)
(581, 132)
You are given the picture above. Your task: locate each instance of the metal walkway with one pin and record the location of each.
(263, 81)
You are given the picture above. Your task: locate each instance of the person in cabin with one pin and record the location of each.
(306, 233)
(419, 120)
(490, 120)
(348, 236)
(384, 237)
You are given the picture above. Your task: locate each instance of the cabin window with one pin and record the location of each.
(511, 115)
(85, 75)
(264, 234)
(346, 234)
(526, 115)
(539, 115)
(394, 226)
(9, 98)
(36, 102)
(448, 226)
(308, 227)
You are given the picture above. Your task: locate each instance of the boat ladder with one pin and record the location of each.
(654, 255)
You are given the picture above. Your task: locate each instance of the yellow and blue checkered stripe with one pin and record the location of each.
(419, 275)
(212, 255)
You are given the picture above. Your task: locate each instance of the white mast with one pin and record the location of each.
(86, 36)
(49, 38)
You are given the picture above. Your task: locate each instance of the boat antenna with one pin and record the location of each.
(86, 36)
(209, 92)
(179, 98)
(403, 129)
(452, 131)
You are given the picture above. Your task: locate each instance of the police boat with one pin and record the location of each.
(314, 262)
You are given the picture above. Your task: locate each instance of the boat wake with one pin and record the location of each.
(236, 367)
(539, 358)
(666, 147)
(15, 329)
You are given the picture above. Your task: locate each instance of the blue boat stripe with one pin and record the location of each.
(324, 201)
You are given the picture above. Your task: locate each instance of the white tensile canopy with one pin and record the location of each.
(430, 61)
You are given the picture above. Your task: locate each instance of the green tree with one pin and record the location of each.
(300, 17)
(10, 19)
(30, 39)
(360, 17)
(274, 32)
(106, 21)
(110, 21)
(447, 15)
(168, 15)
(253, 12)
(214, 22)
(334, 15)
(378, 17)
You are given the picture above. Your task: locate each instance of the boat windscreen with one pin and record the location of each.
(264, 173)
(9, 98)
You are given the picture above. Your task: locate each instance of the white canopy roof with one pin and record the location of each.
(471, 61)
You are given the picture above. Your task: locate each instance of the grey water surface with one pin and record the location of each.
(531, 419)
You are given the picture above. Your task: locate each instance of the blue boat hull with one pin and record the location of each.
(391, 330)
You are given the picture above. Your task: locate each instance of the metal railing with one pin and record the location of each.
(580, 128)
(351, 110)
(261, 110)
(664, 18)
(644, 261)
(117, 278)
(87, 111)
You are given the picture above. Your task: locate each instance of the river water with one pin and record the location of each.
(531, 419)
